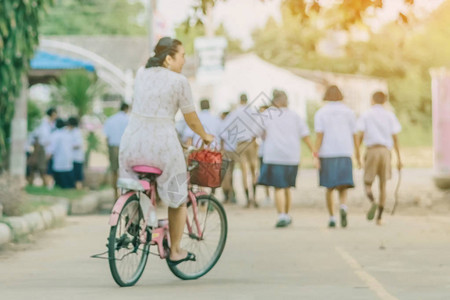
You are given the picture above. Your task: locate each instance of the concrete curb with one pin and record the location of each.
(12, 228)
(5, 234)
(15, 227)
(91, 203)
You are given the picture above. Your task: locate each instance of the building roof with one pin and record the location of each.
(125, 52)
(43, 60)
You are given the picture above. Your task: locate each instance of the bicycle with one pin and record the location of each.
(130, 236)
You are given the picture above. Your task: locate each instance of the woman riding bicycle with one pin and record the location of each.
(151, 139)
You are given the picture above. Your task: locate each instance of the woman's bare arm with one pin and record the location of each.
(194, 123)
(308, 143)
(319, 139)
(397, 151)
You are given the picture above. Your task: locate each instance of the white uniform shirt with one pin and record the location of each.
(114, 128)
(283, 134)
(78, 153)
(240, 126)
(43, 132)
(378, 125)
(337, 122)
(212, 125)
(61, 149)
(228, 145)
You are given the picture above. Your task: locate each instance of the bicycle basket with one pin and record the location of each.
(208, 174)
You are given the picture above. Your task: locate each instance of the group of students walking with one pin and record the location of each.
(56, 152)
(339, 135)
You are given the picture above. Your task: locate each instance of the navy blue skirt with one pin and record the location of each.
(279, 176)
(78, 171)
(336, 172)
(50, 166)
(65, 180)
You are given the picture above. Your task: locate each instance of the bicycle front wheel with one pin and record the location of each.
(127, 255)
(206, 241)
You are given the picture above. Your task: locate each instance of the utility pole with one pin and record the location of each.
(209, 26)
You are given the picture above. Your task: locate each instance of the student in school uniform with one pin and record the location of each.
(282, 135)
(210, 122)
(78, 151)
(262, 109)
(42, 136)
(229, 149)
(379, 129)
(114, 128)
(61, 151)
(240, 131)
(335, 126)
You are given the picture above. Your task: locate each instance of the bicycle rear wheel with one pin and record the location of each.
(209, 247)
(127, 255)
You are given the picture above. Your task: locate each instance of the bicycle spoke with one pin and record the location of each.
(127, 255)
(208, 247)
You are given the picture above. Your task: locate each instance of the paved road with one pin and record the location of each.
(407, 258)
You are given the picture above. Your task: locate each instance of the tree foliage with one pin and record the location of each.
(19, 21)
(94, 17)
(401, 53)
(79, 89)
(34, 115)
(351, 11)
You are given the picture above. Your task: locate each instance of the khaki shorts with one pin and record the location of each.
(377, 163)
(227, 183)
(247, 153)
(42, 161)
(113, 158)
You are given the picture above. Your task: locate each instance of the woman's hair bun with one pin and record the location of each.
(166, 46)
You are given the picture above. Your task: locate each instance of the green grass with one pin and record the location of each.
(71, 194)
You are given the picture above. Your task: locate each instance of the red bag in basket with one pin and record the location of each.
(207, 173)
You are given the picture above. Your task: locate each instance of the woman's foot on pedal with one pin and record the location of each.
(189, 257)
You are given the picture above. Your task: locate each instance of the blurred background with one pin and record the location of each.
(81, 57)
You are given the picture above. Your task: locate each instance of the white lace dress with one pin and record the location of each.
(150, 137)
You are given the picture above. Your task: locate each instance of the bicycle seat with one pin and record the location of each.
(146, 170)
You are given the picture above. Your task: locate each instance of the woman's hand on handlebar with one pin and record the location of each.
(208, 139)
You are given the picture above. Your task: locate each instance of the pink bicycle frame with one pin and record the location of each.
(162, 231)
(193, 199)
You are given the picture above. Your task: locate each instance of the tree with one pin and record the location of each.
(94, 17)
(350, 11)
(187, 33)
(19, 21)
(401, 53)
(78, 89)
